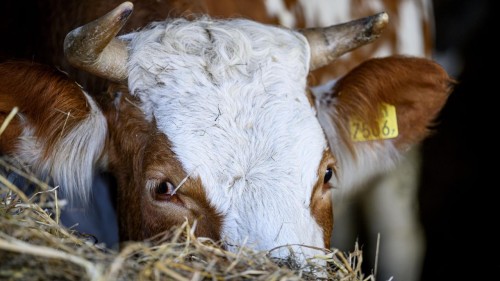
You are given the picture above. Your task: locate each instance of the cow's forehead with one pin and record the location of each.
(231, 99)
(208, 53)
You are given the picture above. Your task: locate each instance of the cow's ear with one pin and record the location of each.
(59, 130)
(379, 110)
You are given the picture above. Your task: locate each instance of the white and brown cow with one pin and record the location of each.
(212, 121)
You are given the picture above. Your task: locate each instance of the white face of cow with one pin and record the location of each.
(231, 98)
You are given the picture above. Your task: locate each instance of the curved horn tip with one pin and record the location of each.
(94, 48)
(123, 11)
(380, 22)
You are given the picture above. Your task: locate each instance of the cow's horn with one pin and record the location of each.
(329, 43)
(94, 48)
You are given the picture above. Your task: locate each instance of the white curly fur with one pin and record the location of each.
(230, 96)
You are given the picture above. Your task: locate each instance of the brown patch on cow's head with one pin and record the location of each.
(142, 160)
(171, 196)
(321, 199)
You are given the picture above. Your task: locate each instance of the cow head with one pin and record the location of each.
(212, 122)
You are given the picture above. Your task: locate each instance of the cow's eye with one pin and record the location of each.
(328, 175)
(165, 188)
(165, 192)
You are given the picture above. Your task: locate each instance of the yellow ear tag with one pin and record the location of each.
(387, 126)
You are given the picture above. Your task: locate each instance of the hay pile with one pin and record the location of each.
(35, 246)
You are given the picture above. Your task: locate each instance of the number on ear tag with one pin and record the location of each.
(387, 126)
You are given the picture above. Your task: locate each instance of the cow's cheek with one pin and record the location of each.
(161, 217)
(322, 211)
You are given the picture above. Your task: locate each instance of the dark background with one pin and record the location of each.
(456, 183)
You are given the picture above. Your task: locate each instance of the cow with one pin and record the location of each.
(211, 121)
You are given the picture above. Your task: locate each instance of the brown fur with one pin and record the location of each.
(418, 88)
(51, 103)
(138, 153)
(321, 199)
